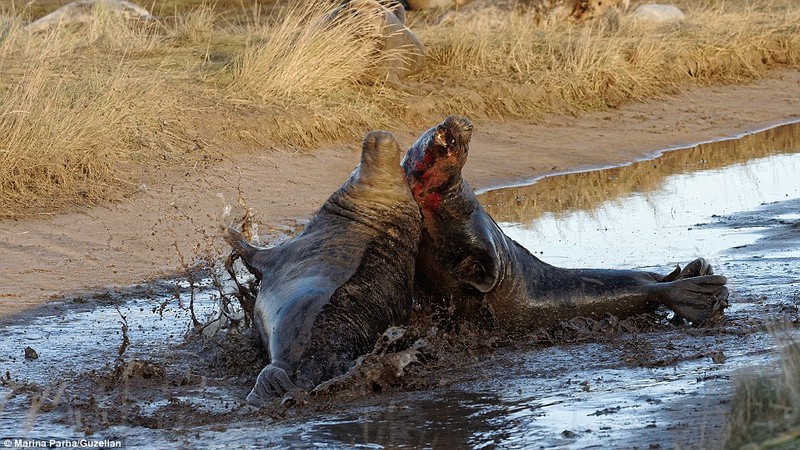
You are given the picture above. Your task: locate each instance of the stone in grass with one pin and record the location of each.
(83, 11)
(658, 14)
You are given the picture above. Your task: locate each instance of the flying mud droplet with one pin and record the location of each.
(31, 354)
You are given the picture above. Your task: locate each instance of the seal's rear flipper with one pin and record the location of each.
(249, 253)
(699, 299)
(696, 268)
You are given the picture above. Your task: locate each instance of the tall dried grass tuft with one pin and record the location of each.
(104, 28)
(305, 56)
(197, 26)
(765, 410)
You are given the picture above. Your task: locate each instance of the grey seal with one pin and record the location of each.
(327, 294)
(466, 261)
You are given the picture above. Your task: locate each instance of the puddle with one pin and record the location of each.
(733, 202)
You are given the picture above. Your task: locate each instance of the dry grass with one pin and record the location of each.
(305, 55)
(524, 70)
(302, 58)
(81, 106)
(765, 410)
(73, 113)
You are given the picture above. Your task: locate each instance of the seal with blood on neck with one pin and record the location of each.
(327, 294)
(466, 260)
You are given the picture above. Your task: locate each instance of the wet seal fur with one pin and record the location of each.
(327, 294)
(466, 260)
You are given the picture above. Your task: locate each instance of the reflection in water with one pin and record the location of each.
(648, 212)
(450, 421)
(585, 190)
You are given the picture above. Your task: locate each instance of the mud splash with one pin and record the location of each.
(129, 365)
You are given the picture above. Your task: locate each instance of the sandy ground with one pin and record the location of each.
(174, 223)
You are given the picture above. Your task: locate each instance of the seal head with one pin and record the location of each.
(458, 254)
(433, 164)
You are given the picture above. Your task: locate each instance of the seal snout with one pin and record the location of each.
(453, 136)
(380, 149)
(460, 128)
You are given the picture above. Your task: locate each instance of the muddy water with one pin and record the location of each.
(735, 202)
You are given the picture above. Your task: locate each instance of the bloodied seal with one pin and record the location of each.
(326, 295)
(466, 259)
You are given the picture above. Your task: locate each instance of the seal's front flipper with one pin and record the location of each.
(272, 382)
(696, 268)
(481, 275)
(249, 253)
(699, 299)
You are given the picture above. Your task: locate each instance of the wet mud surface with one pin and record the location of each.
(132, 365)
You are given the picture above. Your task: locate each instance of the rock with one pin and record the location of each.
(405, 54)
(435, 4)
(83, 11)
(658, 14)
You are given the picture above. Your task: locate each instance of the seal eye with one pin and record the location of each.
(442, 137)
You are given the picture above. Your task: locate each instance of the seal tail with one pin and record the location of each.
(247, 252)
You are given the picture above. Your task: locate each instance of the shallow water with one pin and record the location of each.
(734, 202)
(677, 218)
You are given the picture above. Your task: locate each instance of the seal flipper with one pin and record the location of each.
(251, 256)
(481, 264)
(696, 268)
(481, 275)
(272, 382)
(699, 299)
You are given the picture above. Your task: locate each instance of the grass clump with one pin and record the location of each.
(765, 410)
(73, 113)
(46, 158)
(561, 67)
(305, 55)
